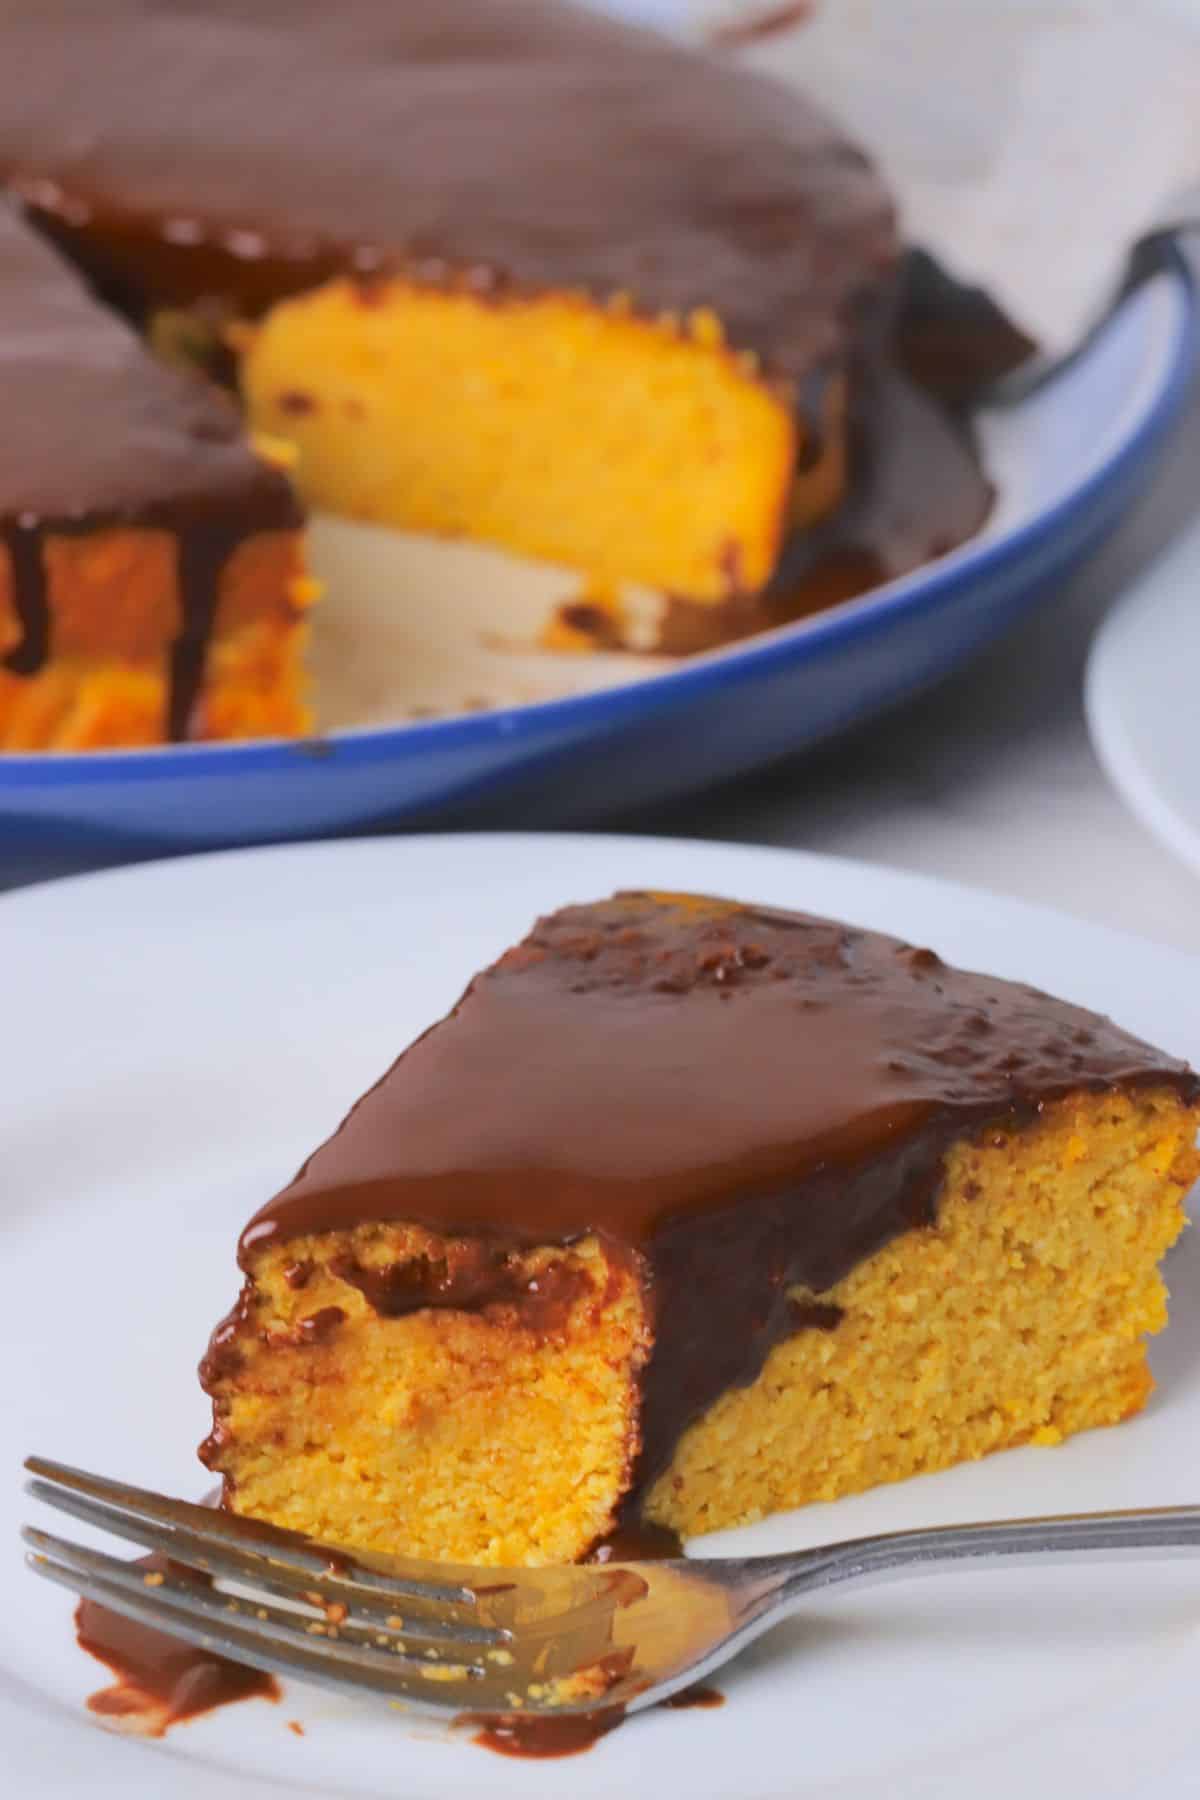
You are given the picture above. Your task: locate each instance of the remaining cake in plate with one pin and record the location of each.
(690, 1211)
(151, 583)
(515, 271)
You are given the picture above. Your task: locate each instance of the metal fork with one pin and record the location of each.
(445, 1639)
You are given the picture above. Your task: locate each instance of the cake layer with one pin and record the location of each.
(136, 524)
(846, 1212)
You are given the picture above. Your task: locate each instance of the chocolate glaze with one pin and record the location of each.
(637, 1540)
(320, 1325)
(224, 1358)
(541, 1736)
(749, 1101)
(161, 1681)
(699, 1696)
(469, 1277)
(247, 151)
(918, 491)
(952, 338)
(917, 487)
(22, 538)
(104, 434)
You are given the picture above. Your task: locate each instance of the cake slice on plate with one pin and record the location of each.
(688, 1212)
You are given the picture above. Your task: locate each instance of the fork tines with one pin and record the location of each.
(427, 1635)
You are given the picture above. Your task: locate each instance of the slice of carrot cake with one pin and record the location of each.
(693, 1211)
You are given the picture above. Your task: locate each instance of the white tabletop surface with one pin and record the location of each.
(989, 780)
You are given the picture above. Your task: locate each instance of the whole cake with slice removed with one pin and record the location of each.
(501, 269)
(688, 1212)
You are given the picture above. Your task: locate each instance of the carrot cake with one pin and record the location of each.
(496, 268)
(688, 1212)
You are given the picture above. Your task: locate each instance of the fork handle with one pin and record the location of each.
(1156, 1532)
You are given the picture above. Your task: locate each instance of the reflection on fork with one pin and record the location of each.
(543, 1643)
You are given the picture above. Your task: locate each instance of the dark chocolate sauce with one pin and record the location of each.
(684, 182)
(517, 1734)
(917, 491)
(698, 1696)
(596, 623)
(635, 1539)
(745, 1101)
(223, 1356)
(468, 1278)
(202, 556)
(542, 1737)
(503, 145)
(814, 1315)
(320, 1325)
(161, 1681)
(950, 338)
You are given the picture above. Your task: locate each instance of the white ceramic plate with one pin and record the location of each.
(1143, 698)
(180, 1035)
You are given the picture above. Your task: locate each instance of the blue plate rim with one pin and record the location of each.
(913, 595)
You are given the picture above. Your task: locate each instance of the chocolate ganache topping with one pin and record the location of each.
(747, 1100)
(244, 152)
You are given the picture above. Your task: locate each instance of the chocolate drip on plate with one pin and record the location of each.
(510, 146)
(160, 1680)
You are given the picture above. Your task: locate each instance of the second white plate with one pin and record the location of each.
(1143, 698)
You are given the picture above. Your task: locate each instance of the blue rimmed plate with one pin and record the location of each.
(1066, 465)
